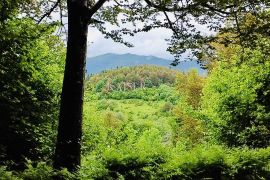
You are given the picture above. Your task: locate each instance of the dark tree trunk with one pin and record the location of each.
(68, 146)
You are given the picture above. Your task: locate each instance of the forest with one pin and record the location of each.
(140, 122)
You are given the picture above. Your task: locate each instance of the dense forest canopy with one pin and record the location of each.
(132, 78)
(145, 122)
(30, 78)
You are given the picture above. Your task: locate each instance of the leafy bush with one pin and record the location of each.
(167, 107)
(7, 175)
(217, 162)
(37, 171)
(131, 159)
(163, 92)
(236, 101)
(157, 162)
(190, 128)
(106, 104)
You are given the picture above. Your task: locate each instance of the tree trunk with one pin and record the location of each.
(68, 146)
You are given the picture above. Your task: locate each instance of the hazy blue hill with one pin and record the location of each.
(111, 61)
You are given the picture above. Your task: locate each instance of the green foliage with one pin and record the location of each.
(146, 134)
(131, 78)
(32, 9)
(42, 171)
(136, 160)
(236, 101)
(10, 8)
(127, 138)
(142, 132)
(31, 66)
(167, 107)
(36, 171)
(217, 162)
(149, 159)
(106, 104)
(135, 156)
(190, 86)
(190, 129)
(164, 92)
(111, 125)
(6, 175)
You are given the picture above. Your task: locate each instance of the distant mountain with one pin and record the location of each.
(111, 61)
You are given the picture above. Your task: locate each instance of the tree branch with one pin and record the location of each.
(49, 12)
(189, 7)
(163, 8)
(170, 23)
(95, 8)
(157, 6)
(211, 8)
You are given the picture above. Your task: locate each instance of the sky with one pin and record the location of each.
(150, 43)
(147, 43)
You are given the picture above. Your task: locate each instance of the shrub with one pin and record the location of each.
(236, 101)
(7, 175)
(167, 107)
(106, 104)
(217, 162)
(37, 171)
(144, 161)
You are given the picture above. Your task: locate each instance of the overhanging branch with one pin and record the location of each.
(48, 13)
(95, 8)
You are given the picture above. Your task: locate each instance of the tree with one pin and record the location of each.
(246, 19)
(236, 99)
(30, 79)
(68, 145)
(234, 38)
(190, 86)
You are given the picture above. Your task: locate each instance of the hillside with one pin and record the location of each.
(128, 115)
(130, 78)
(139, 123)
(111, 61)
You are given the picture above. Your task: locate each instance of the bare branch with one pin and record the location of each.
(170, 23)
(119, 4)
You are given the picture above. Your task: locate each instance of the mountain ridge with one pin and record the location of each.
(110, 61)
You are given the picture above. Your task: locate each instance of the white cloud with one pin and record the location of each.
(148, 43)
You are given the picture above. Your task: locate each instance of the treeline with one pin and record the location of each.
(130, 78)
